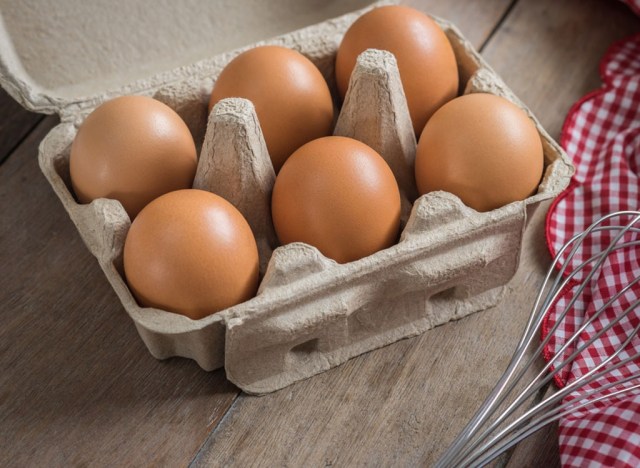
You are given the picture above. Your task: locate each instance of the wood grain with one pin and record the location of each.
(78, 387)
(540, 449)
(15, 124)
(477, 20)
(549, 52)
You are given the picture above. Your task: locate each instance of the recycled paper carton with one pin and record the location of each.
(310, 313)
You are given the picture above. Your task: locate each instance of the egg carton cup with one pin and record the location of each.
(311, 313)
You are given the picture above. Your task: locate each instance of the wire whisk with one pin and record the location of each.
(492, 431)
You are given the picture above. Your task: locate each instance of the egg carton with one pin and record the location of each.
(310, 313)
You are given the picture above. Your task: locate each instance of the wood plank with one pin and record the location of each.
(15, 124)
(548, 52)
(476, 20)
(78, 386)
(540, 449)
(401, 405)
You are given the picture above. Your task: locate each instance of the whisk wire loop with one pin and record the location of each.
(551, 401)
(544, 377)
(476, 447)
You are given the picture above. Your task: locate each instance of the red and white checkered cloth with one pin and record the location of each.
(602, 136)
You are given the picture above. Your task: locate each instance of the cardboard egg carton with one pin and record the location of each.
(311, 313)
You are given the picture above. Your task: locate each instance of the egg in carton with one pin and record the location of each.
(311, 313)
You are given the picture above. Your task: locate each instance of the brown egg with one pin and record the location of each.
(191, 252)
(426, 61)
(291, 98)
(482, 148)
(338, 195)
(132, 149)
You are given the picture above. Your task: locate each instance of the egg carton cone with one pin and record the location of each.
(310, 313)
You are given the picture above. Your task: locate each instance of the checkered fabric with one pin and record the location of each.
(602, 136)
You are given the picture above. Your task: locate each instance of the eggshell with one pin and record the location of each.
(291, 97)
(338, 195)
(132, 149)
(482, 148)
(426, 61)
(191, 252)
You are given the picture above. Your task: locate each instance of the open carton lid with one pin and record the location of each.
(59, 55)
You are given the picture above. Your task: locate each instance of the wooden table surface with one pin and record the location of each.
(78, 387)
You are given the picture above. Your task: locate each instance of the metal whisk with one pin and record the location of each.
(482, 440)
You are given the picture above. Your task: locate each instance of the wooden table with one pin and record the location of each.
(79, 388)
